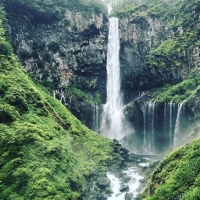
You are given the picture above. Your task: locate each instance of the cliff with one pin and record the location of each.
(63, 50)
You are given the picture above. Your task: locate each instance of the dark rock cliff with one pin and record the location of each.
(65, 52)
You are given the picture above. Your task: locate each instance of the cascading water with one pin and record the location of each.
(179, 121)
(96, 118)
(112, 125)
(61, 95)
(149, 126)
(133, 184)
(172, 111)
(162, 125)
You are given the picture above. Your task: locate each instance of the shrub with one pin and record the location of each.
(17, 97)
(5, 47)
(8, 114)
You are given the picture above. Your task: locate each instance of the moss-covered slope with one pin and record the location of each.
(178, 176)
(45, 152)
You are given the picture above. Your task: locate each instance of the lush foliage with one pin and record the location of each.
(183, 91)
(46, 153)
(178, 175)
(82, 96)
(155, 8)
(49, 10)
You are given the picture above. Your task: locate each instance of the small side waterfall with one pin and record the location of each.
(60, 95)
(149, 126)
(112, 125)
(96, 118)
(179, 121)
(162, 125)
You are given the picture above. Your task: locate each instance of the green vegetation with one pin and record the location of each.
(50, 10)
(178, 15)
(46, 153)
(82, 96)
(177, 176)
(155, 8)
(183, 91)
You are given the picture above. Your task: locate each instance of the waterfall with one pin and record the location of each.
(163, 124)
(112, 125)
(62, 98)
(149, 126)
(145, 128)
(172, 112)
(151, 114)
(60, 94)
(179, 121)
(96, 118)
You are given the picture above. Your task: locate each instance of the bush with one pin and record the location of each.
(8, 114)
(5, 48)
(17, 97)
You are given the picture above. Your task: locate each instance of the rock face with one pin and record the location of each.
(73, 48)
(69, 51)
(138, 37)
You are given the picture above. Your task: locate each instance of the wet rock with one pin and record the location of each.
(108, 191)
(128, 196)
(103, 182)
(124, 188)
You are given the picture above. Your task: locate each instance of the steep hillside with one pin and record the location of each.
(177, 177)
(46, 153)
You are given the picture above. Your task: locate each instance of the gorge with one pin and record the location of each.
(133, 77)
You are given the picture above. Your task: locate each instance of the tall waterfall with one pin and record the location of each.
(112, 125)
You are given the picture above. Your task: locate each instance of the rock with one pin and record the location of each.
(103, 182)
(108, 191)
(124, 188)
(128, 196)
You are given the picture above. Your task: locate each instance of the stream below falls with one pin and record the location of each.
(120, 188)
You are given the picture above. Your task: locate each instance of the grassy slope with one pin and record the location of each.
(178, 176)
(46, 153)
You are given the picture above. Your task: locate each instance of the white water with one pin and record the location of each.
(62, 95)
(112, 125)
(115, 186)
(133, 184)
(149, 126)
(145, 129)
(180, 114)
(170, 122)
(96, 118)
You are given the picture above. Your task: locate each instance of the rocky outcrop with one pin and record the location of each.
(70, 51)
(73, 48)
(141, 67)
